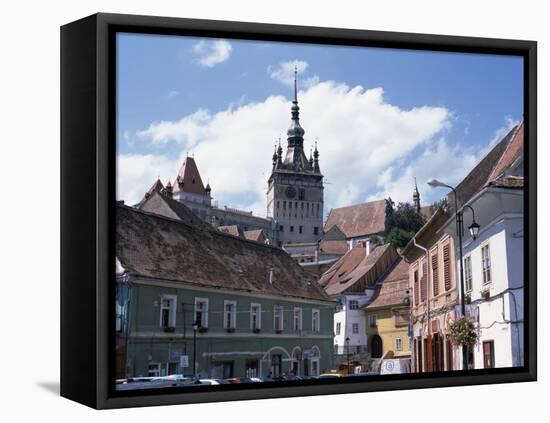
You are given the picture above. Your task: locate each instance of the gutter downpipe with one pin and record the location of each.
(427, 253)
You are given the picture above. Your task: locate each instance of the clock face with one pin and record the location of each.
(290, 192)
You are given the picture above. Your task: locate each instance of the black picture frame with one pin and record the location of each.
(88, 90)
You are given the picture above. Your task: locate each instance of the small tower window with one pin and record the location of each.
(315, 230)
(300, 228)
(292, 229)
(281, 228)
(301, 194)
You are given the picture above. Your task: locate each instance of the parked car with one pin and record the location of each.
(212, 382)
(363, 374)
(330, 375)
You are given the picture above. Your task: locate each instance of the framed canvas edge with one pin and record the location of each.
(106, 23)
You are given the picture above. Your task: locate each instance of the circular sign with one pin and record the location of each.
(290, 191)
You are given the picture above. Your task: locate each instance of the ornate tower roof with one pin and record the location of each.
(416, 197)
(189, 178)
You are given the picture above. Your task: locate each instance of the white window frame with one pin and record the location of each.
(233, 314)
(204, 311)
(172, 309)
(258, 316)
(278, 310)
(300, 325)
(468, 274)
(373, 317)
(489, 268)
(157, 365)
(338, 329)
(315, 327)
(356, 302)
(398, 344)
(353, 326)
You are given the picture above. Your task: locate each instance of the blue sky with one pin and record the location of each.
(381, 116)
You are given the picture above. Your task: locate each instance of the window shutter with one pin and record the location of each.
(415, 276)
(435, 275)
(423, 282)
(447, 266)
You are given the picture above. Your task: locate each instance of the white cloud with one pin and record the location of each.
(172, 94)
(284, 73)
(212, 53)
(361, 137)
(136, 173)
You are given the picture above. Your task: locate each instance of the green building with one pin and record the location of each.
(187, 293)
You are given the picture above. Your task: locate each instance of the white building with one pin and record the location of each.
(493, 263)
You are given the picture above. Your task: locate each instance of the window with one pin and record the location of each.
(281, 228)
(255, 316)
(277, 203)
(153, 370)
(292, 229)
(435, 274)
(297, 319)
(372, 320)
(168, 311)
(338, 328)
(300, 229)
(486, 264)
(301, 194)
(468, 273)
(447, 266)
(398, 344)
(251, 367)
(315, 230)
(355, 328)
(488, 354)
(278, 318)
(315, 320)
(353, 304)
(201, 312)
(229, 314)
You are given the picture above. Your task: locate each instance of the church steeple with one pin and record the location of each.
(416, 197)
(316, 168)
(295, 133)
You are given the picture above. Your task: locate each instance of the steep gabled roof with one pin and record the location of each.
(257, 235)
(232, 230)
(161, 204)
(157, 247)
(189, 178)
(156, 187)
(393, 287)
(356, 270)
(359, 220)
(338, 247)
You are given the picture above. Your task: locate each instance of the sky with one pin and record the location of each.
(381, 117)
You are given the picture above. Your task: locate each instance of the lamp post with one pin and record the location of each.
(474, 230)
(195, 328)
(347, 351)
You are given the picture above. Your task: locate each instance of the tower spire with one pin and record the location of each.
(295, 84)
(416, 197)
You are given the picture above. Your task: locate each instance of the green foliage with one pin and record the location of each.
(463, 332)
(389, 221)
(399, 237)
(376, 240)
(437, 204)
(405, 217)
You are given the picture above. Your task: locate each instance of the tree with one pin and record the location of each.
(389, 221)
(399, 237)
(405, 217)
(438, 204)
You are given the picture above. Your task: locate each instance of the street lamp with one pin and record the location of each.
(347, 348)
(474, 231)
(195, 328)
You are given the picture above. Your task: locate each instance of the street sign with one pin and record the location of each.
(184, 360)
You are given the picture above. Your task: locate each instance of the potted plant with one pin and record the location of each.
(463, 332)
(169, 329)
(230, 330)
(256, 330)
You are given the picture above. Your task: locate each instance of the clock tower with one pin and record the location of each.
(295, 187)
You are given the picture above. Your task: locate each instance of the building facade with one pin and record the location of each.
(254, 313)
(295, 187)
(493, 262)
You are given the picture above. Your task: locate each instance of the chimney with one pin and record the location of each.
(367, 247)
(271, 276)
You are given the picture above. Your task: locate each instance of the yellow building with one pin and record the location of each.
(387, 315)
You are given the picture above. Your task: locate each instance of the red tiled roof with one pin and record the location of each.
(255, 235)
(232, 230)
(356, 267)
(512, 152)
(189, 178)
(360, 219)
(508, 182)
(334, 247)
(157, 247)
